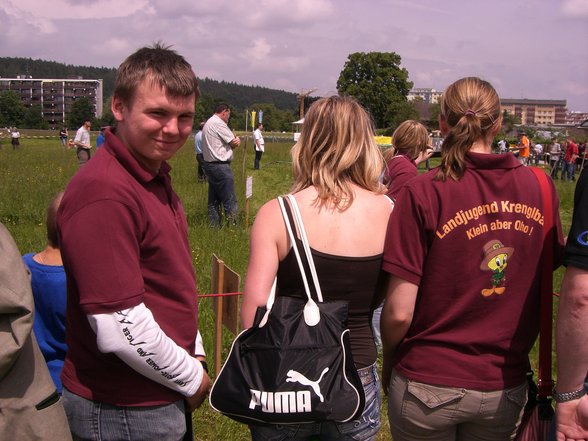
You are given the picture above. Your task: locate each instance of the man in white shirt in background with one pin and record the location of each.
(82, 142)
(218, 143)
(259, 145)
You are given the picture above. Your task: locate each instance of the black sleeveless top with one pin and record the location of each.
(353, 279)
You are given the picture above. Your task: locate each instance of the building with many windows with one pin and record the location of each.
(536, 112)
(530, 112)
(575, 118)
(429, 96)
(55, 96)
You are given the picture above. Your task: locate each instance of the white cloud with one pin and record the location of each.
(422, 78)
(64, 9)
(22, 17)
(575, 8)
(259, 52)
(287, 13)
(294, 44)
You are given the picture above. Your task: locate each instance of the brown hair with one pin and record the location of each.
(163, 66)
(411, 139)
(337, 149)
(471, 109)
(51, 220)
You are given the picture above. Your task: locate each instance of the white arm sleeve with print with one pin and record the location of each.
(134, 336)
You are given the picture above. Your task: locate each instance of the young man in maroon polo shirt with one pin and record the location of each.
(131, 371)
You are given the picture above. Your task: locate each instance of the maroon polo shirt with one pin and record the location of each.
(399, 170)
(473, 326)
(124, 242)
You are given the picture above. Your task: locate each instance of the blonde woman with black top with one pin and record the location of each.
(336, 168)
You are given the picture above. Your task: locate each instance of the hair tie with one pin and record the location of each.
(470, 112)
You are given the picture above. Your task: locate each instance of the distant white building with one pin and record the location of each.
(575, 118)
(536, 112)
(55, 96)
(427, 95)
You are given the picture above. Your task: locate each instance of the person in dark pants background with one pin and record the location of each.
(259, 145)
(199, 156)
(218, 143)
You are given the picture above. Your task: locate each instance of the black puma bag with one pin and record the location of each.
(294, 365)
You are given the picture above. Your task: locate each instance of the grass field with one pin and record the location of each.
(31, 175)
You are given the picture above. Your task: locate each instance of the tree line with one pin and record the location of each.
(279, 107)
(375, 79)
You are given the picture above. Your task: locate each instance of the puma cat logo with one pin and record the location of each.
(290, 401)
(297, 377)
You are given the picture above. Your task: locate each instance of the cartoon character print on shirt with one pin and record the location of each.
(495, 260)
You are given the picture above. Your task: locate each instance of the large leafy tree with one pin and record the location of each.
(12, 110)
(33, 118)
(107, 117)
(509, 121)
(378, 82)
(81, 110)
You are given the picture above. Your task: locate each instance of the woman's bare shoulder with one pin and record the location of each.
(269, 212)
(379, 201)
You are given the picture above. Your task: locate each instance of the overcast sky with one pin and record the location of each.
(526, 49)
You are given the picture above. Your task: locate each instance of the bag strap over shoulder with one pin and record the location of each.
(545, 383)
(311, 310)
(306, 246)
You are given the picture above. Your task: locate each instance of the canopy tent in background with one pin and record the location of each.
(296, 128)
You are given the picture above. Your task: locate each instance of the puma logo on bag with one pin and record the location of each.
(291, 401)
(297, 377)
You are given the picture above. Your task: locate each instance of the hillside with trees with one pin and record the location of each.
(280, 107)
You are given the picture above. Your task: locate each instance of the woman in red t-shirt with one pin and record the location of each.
(411, 145)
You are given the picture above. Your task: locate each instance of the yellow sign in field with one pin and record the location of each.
(383, 141)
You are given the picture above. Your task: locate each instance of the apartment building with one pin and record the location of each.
(427, 95)
(536, 112)
(55, 96)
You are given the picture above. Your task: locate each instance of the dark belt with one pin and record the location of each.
(219, 162)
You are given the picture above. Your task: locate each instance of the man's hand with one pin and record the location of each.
(193, 402)
(236, 142)
(572, 420)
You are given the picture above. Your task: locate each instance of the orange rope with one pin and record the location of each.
(224, 294)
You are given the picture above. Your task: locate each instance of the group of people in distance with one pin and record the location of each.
(453, 255)
(562, 156)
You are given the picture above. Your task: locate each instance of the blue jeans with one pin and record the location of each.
(93, 421)
(363, 429)
(569, 170)
(564, 170)
(554, 165)
(221, 191)
(376, 325)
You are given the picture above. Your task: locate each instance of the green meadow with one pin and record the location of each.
(32, 174)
